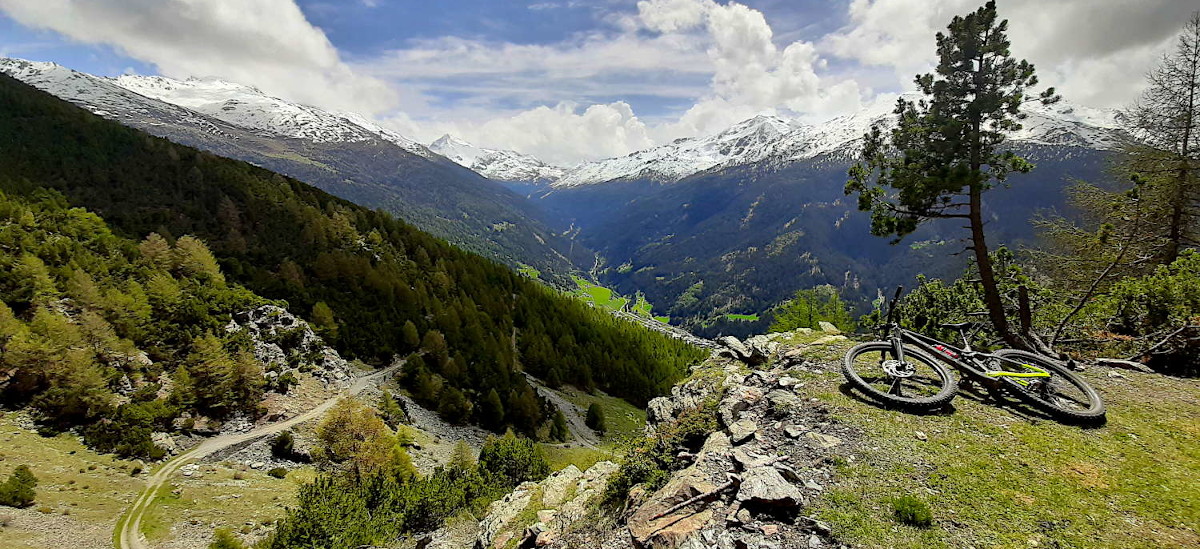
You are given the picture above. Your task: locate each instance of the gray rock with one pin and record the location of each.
(559, 484)
(784, 400)
(828, 328)
(742, 431)
(764, 485)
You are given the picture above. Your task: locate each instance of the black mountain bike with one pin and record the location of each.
(906, 371)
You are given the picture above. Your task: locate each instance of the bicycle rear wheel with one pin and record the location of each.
(920, 382)
(1063, 395)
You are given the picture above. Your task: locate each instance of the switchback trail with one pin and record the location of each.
(128, 535)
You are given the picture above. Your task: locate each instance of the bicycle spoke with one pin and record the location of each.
(895, 389)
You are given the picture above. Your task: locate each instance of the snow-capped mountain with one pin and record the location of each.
(249, 107)
(501, 165)
(746, 142)
(780, 140)
(341, 153)
(243, 106)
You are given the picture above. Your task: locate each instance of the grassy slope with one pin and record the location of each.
(218, 496)
(624, 420)
(1000, 477)
(73, 481)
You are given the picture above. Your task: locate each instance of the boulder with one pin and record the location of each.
(822, 440)
(559, 485)
(828, 328)
(651, 531)
(742, 431)
(764, 485)
(737, 401)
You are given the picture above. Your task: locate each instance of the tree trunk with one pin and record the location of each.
(987, 276)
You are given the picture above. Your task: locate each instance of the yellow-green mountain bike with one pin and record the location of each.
(908, 370)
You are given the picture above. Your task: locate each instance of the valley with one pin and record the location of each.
(666, 274)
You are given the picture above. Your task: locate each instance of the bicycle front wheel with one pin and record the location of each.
(919, 382)
(1063, 395)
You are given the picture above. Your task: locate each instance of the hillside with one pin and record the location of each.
(741, 239)
(372, 285)
(341, 153)
(783, 455)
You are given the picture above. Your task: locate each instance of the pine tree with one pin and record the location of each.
(946, 150)
(193, 258)
(156, 251)
(323, 321)
(409, 336)
(595, 419)
(558, 429)
(1166, 122)
(18, 490)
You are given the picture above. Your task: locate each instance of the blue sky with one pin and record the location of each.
(571, 80)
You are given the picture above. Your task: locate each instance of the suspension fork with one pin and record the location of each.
(897, 338)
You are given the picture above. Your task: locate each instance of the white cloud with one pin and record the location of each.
(751, 73)
(707, 63)
(265, 43)
(562, 134)
(1095, 51)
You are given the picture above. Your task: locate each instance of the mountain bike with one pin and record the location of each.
(906, 371)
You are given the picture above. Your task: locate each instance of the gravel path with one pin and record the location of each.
(129, 527)
(573, 412)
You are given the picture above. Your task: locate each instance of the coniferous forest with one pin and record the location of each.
(173, 240)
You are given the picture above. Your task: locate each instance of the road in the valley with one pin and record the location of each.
(129, 527)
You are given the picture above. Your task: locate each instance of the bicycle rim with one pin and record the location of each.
(917, 382)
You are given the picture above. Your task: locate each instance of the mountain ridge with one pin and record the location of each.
(780, 140)
(341, 153)
(497, 164)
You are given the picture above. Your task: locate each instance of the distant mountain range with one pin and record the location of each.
(342, 153)
(732, 222)
(500, 165)
(736, 222)
(778, 141)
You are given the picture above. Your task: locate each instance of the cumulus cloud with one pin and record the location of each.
(1095, 51)
(564, 134)
(266, 43)
(751, 73)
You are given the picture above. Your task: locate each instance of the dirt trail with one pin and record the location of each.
(129, 527)
(574, 414)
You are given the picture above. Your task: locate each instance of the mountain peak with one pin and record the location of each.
(769, 137)
(501, 165)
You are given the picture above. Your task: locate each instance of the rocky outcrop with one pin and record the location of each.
(287, 345)
(748, 486)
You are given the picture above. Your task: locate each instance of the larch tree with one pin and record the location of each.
(947, 148)
(1165, 121)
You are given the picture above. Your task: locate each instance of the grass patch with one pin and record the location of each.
(599, 295)
(93, 488)
(624, 420)
(912, 511)
(560, 456)
(529, 271)
(749, 318)
(994, 476)
(218, 496)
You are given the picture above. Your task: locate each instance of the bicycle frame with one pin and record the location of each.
(965, 359)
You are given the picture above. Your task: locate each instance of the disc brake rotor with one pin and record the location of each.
(896, 368)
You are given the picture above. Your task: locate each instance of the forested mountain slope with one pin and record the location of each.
(372, 284)
(743, 238)
(341, 153)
